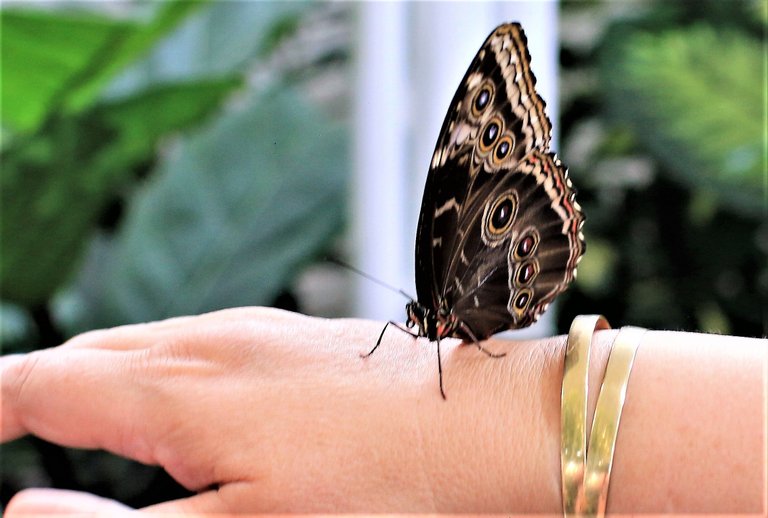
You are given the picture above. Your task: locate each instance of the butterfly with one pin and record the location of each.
(500, 232)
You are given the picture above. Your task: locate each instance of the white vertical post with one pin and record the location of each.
(379, 187)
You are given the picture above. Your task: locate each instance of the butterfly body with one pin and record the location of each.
(434, 324)
(499, 233)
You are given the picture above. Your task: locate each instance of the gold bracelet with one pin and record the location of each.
(585, 489)
(573, 409)
(605, 425)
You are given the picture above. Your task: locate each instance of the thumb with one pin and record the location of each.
(47, 502)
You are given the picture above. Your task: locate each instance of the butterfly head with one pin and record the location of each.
(430, 323)
(418, 317)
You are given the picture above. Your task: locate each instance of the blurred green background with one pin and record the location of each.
(173, 158)
(663, 121)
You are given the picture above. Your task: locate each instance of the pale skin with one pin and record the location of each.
(277, 412)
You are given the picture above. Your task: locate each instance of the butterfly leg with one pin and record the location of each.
(378, 342)
(489, 353)
(440, 368)
(477, 344)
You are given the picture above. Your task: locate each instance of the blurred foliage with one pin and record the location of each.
(259, 198)
(694, 113)
(65, 153)
(156, 161)
(57, 182)
(57, 63)
(667, 131)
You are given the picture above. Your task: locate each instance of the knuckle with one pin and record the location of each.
(93, 339)
(19, 375)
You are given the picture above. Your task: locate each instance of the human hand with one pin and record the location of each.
(262, 410)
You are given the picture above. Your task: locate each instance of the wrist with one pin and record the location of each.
(496, 445)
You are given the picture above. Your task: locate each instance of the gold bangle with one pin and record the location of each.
(573, 409)
(585, 489)
(605, 425)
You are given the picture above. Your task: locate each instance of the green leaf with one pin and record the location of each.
(228, 221)
(126, 49)
(140, 120)
(222, 39)
(694, 98)
(42, 56)
(56, 62)
(283, 27)
(55, 185)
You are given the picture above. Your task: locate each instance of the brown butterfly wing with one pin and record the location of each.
(524, 244)
(492, 159)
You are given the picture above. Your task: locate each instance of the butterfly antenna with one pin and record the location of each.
(370, 277)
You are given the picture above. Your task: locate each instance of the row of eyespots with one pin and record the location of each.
(503, 211)
(522, 251)
(492, 135)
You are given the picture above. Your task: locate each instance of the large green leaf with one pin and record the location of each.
(140, 120)
(55, 184)
(228, 221)
(222, 39)
(694, 97)
(62, 61)
(127, 49)
(42, 54)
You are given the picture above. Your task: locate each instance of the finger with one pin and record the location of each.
(129, 337)
(48, 502)
(139, 336)
(223, 502)
(77, 398)
(122, 338)
(10, 425)
(101, 390)
(233, 499)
